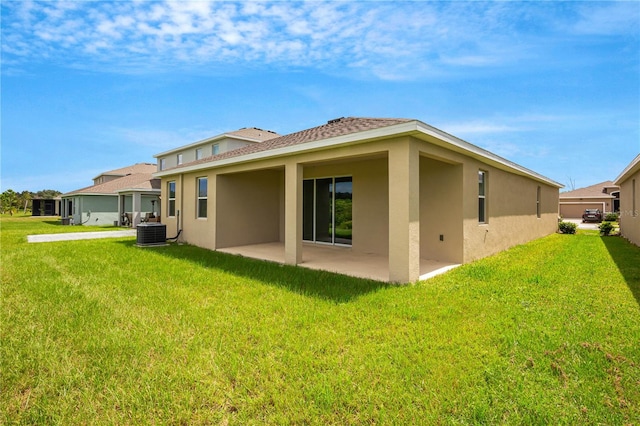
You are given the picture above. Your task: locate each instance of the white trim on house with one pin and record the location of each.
(411, 128)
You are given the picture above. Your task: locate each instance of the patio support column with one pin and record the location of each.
(120, 208)
(404, 212)
(136, 207)
(292, 213)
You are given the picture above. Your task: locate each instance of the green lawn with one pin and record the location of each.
(104, 332)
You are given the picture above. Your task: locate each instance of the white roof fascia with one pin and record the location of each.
(409, 128)
(628, 171)
(206, 141)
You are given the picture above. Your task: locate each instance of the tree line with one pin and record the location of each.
(11, 201)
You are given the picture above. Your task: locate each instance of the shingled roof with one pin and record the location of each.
(593, 191)
(254, 133)
(333, 128)
(138, 181)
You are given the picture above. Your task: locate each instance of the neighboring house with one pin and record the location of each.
(121, 196)
(390, 199)
(604, 196)
(629, 182)
(213, 146)
(45, 206)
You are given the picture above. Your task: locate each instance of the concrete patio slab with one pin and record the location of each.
(46, 238)
(337, 259)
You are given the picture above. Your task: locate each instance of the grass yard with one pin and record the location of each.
(102, 331)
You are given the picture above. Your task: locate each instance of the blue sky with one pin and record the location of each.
(89, 86)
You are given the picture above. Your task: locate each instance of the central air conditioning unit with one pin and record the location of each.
(151, 234)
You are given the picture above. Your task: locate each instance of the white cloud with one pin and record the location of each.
(390, 40)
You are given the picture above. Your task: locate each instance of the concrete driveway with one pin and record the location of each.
(587, 225)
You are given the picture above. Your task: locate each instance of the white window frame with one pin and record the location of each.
(179, 159)
(163, 164)
(200, 198)
(482, 195)
(171, 199)
(215, 149)
(198, 153)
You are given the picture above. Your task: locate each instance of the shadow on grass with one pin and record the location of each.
(627, 259)
(308, 282)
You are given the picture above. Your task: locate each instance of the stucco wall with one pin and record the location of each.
(103, 208)
(511, 210)
(200, 230)
(370, 200)
(249, 208)
(173, 222)
(440, 210)
(630, 214)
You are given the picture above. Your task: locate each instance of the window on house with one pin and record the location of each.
(171, 198)
(215, 149)
(202, 197)
(163, 164)
(198, 153)
(179, 159)
(538, 202)
(482, 196)
(327, 210)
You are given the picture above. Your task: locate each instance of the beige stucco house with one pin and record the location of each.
(604, 196)
(390, 199)
(121, 196)
(629, 182)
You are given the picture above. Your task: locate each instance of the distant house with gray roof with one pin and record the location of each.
(124, 196)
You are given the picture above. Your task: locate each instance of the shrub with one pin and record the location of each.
(348, 224)
(567, 227)
(606, 228)
(611, 217)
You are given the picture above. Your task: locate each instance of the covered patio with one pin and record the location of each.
(136, 205)
(342, 260)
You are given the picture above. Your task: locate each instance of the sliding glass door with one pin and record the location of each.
(327, 210)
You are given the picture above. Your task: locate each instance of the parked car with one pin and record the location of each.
(592, 215)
